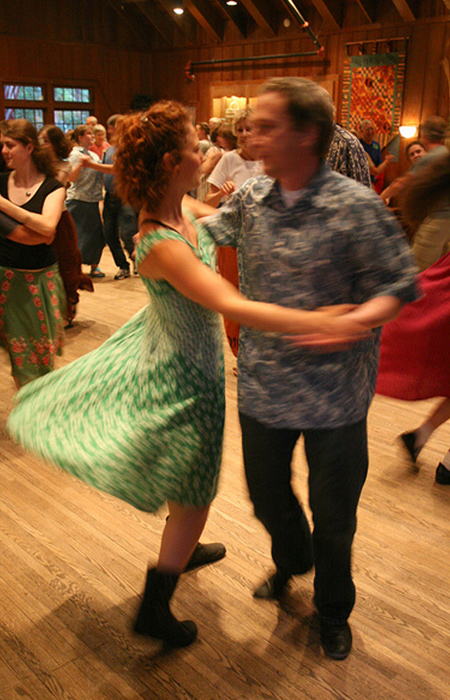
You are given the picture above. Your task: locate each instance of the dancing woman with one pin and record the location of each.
(32, 299)
(159, 380)
(414, 347)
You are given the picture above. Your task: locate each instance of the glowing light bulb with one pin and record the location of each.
(408, 132)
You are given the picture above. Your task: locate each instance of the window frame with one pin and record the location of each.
(49, 105)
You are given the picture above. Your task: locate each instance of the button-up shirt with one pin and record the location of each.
(347, 156)
(338, 244)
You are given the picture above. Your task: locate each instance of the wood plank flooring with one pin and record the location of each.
(73, 560)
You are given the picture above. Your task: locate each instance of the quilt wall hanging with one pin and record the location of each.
(373, 89)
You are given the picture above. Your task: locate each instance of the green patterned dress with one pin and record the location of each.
(142, 416)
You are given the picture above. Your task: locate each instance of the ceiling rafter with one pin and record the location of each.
(207, 16)
(237, 16)
(157, 19)
(405, 10)
(168, 6)
(331, 11)
(264, 13)
(129, 19)
(368, 7)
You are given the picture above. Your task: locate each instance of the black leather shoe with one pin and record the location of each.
(442, 474)
(206, 554)
(274, 587)
(409, 443)
(336, 640)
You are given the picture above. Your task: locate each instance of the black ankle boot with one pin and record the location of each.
(155, 619)
(442, 474)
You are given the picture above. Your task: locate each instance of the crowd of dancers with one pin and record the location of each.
(320, 266)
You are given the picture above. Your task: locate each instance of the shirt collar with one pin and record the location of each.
(272, 196)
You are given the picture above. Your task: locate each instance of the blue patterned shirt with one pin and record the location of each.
(337, 244)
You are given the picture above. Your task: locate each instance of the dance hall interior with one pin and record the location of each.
(73, 558)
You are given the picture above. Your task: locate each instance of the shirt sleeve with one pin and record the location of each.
(382, 263)
(358, 163)
(220, 173)
(225, 227)
(74, 158)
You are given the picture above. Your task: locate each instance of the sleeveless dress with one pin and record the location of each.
(141, 417)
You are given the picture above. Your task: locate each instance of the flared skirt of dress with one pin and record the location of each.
(141, 429)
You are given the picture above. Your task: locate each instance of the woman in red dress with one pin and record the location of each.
(414, 349)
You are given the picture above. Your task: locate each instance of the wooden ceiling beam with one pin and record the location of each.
(237, 16)
(264, 14)
(167, 6)
(331, 11)
(405, 10)
(132, 21)
(157, 19)
(368, 7)
(207, 16)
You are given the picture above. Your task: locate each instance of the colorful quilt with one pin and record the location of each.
(373, 89)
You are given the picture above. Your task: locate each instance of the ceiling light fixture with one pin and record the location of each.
(231, 3)
(178, 9)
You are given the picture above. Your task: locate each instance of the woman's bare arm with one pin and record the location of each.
(176, 263)
(43, 224)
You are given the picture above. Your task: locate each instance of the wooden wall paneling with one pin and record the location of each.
(248, 68)
(226, 69)
(120, 74)
(434, 53)
(332, 51)
(415, 76)
(444, 88)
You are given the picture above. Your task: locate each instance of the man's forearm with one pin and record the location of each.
(377, 311)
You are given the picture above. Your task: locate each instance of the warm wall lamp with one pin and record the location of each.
(408, 132)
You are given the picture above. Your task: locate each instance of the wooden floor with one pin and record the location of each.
(72, 563)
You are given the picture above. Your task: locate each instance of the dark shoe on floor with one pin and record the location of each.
(154, 617)
(274, 587)
(122, 274)
(336, 640)
(408, 441)
(442, 475)
(206, 554)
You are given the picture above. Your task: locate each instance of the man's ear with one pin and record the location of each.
(309, 136)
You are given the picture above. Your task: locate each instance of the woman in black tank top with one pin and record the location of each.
(31, 293)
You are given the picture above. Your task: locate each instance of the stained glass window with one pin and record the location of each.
(31, 93)
(70, 94)
(70, 118)
(35, 116)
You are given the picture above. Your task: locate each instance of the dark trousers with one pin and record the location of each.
(337, 461)
(119, 220)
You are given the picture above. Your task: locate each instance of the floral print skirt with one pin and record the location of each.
(32, 304)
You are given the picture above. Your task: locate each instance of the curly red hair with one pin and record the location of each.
(141, 141)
